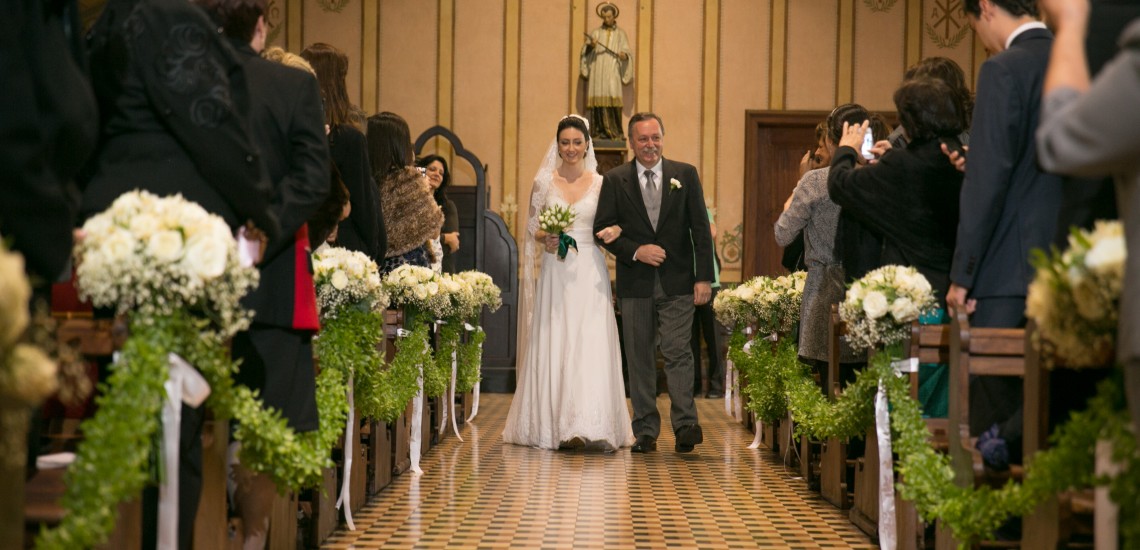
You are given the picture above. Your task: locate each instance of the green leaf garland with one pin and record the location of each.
(470, 357)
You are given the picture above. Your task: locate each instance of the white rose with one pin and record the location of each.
(143, 225)
(14, 295)
(128, 202)
(875, 304)
(165, 246)
(98, 227)
(205, 258)
(118, 245)
(339, 280)
(420, 292)
(432, 288)
(903, 310)
(745, 293)
(1106, 255)
(856, 292)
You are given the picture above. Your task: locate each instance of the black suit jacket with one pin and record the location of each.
(909, 200)
(1008, 205)
(363, 230)
(172, 98)
(682, 230)
(288, 126)
(48, 125)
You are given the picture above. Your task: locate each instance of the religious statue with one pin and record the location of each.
(607, 65)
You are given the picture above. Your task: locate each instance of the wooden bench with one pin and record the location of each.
(1059, 520)
(977, 352)
(833, 454)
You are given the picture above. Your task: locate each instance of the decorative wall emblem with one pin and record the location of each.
(730, 245)
(947, 25)
(333, 6)
(880, 5)
(275, 20)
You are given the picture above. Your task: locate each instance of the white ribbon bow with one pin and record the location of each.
(475, 390)
(888, 537)
(184, 384)
(349, 438)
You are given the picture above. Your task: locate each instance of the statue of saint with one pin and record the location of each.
(607, 65)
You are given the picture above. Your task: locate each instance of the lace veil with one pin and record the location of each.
(532, 251)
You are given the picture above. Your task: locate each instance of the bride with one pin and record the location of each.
(570, 391)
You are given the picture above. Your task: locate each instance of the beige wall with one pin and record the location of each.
(501, 73)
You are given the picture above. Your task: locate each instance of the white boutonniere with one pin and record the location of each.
(674, 183)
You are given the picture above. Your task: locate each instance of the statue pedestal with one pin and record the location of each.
(610, 154)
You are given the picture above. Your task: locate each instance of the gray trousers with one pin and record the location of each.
(645, 322)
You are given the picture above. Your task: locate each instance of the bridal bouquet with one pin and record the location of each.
(345, 278)
(1075, 296)
(153, 256)
(880, 307)
(554, 220)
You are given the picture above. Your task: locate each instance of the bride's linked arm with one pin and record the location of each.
(606, 218)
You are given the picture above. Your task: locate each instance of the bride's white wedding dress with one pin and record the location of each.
(569, 371)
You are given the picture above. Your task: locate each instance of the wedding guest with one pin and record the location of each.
(948, 71)
(907, 199)
(1091, 128)
(364, 230)
(410, 213)
(811, 213)
(439, 177)
(813, 159)
(855, 246)
(183, 131)
(276, 351)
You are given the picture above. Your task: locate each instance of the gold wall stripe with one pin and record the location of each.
(710, 100)
(778, 64)
(294, 22)
(644, 55)
(845, 53)
(913, 33)
(511, 33)
(370, 56)
(578, 17)
(446, 67)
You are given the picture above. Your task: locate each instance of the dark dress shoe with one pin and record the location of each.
(689, 437)
(644, 444)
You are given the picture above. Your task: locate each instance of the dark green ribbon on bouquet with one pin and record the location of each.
(565, 243)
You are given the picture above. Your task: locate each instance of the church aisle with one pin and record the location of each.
(484, 494)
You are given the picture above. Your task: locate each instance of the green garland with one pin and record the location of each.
(385, 392)
(113, 461)
(972, 514)
(470, 357)
(764, 370)
(437, 373)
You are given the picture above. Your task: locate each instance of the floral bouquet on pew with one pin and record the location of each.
(347, 279)
(1075, 296)
(733, 307)
(880, 307)
(425, 297)
(478, 290)
(777, 302)
(554, 219)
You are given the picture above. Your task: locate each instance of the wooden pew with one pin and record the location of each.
(977, 352)
(398, 432)
(1056, 522)
(833, 454)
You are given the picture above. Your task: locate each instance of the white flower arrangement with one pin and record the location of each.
(772, 304)
(674, 183)
(420, 289)
(345, 278)
(1075, 296)
(554, 219)
(27, 374)
(880, 307)
(733, 306)
(478, 290)
(153, 255)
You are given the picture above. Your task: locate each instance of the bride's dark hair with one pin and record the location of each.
(573, 122)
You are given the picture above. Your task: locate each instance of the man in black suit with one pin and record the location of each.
(287, 124)
(1008, 205)
(660, 207)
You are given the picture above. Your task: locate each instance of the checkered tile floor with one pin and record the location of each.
(483, 493)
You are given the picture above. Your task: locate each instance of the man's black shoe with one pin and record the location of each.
(688, 437)
(644, 444)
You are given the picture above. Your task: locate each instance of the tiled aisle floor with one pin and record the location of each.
(482, 493)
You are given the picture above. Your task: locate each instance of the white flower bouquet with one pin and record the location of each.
(554, 219)
(1075, 296)
(733, 306)
(477, 290)
(880, 307)
(154, 255)
(346, 278)
(419, 289)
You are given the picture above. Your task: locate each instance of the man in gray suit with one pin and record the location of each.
(660, 207)
(1093, 129)
(1008, 205)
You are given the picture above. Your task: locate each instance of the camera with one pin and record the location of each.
(868, 142)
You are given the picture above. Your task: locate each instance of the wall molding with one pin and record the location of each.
(710, 99)
(644, 56)
(778, 55)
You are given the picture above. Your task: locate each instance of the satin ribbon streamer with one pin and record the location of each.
(349, 439)
(565, 243)
(759, 428)
(475, 390)
(416, 431)
(888, 537)
(184, 384)
(449, 396)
